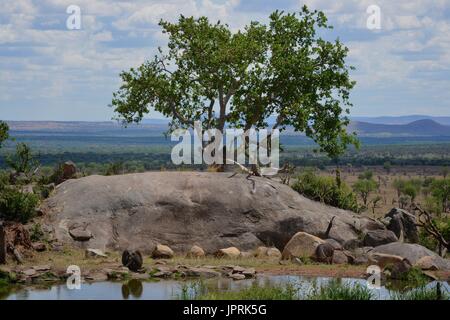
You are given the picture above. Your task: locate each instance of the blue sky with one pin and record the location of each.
(48, 72)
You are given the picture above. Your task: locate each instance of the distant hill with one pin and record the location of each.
(402, 119)
(156, 127)
(425, 127)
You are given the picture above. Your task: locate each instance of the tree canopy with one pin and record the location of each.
(4, 132)
(240, 79)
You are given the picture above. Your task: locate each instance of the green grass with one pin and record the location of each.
(199, 291)
(336, 290)
(422, 293)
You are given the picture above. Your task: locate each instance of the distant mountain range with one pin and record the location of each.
(371, 127)
(424, 127)
(402, 119)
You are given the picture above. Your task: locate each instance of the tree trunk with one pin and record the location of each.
(2, 244)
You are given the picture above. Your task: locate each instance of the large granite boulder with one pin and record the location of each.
(414, 254)
(376, 238)
(213, 210)
(302, 245)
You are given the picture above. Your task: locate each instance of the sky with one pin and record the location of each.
(50, 72)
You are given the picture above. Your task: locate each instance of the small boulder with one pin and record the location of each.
(162, 252)
(231, 252)
(336, 245)
(352, 244)
(376, 238)
(413, 252)
(427, 263)
(69, 170)
(274, 253)
(80, 234)
(382, 259)
(339, 257)
(249, 273)
(196, 252)
(302, 244)
(94, 253)
(39, 246)
(132, 260)
(246, 254)
(261, 252)
(201, 272)
(236, 276)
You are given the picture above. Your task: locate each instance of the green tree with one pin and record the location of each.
(221, 78)
(364, 187)
(440, 189)
(23, 160)
(4, 132)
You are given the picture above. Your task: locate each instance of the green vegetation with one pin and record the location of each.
(326, 190)
(336, 290)
(365, 186)
(265, 75)
(421, 293)
(16, 205)
(4, 132)
(199, 291)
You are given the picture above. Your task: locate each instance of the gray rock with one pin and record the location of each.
(236, 276)
(352, 244)
(182, 208)
(375, 238)
(339, 257)
(80, 234)
(336, 245)
(95, 253)
(413, 253)
(403, 224)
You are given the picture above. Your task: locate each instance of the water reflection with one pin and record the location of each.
(172, 289)
(133, 287)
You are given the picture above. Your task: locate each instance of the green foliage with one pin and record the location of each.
(4, 132)
(23, 160)
(282, 68)
(440, 190)
(16, 205)
(364, 187)
(366, 175)
(326, 190)
(199, 291)
(36, 232)
(336, 290)
(421, 293)
(115, 168)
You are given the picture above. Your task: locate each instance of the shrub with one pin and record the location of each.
(336, 290)
(326, 190)
(198, 291)
(16, 205)
(422, 293)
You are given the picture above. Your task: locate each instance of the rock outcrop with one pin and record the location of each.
(302, 245)
(213, 210)
(376, 238)
(413, 253)
(403, 224)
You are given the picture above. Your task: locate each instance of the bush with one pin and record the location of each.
(336, 290)
(16, 205)
(422, 293)
(326, 190)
